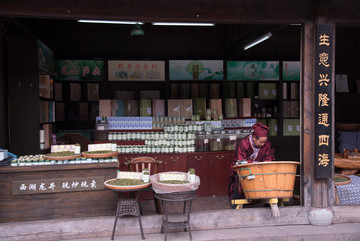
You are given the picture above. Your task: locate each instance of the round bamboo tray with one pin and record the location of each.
(344, 182)
(102, 155)
(134, 187)
(159, 187)
(59, 158)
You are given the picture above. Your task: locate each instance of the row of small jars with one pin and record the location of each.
(71, 161)
(125, 136)
(155, 149)
(169, 119)
(170, 142)
(173, 128)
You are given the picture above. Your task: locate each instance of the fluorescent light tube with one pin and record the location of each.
(108, 22)
(184, 24)
(258, 40)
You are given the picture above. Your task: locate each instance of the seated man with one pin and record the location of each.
(252, 148)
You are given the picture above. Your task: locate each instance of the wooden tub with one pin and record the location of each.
(264, 180)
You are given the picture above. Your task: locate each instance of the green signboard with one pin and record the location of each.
(45, 58)
(253, 70)
(75, 70)
(196, 70)
(291, 70)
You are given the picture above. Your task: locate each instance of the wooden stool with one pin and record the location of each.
(272, 201)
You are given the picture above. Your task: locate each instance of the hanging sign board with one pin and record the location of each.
(291, 70)
(78, 70)
(253, 70)
(45, 58)
(323, 101)
(196, 69)
(136, 70)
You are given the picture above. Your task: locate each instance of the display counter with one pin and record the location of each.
(77, 190)
(56, 191)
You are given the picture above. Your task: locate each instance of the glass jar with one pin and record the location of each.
(216, 141)
(110, 136)
(230, 140)
(186, 128)
(201, 142)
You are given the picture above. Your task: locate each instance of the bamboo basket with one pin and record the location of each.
(264, 180)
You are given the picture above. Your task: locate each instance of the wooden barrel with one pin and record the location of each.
(267, 179)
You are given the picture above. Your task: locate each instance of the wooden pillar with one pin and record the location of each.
(3, 133)
(316, 192)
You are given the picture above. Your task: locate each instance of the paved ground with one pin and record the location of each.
(335, 232)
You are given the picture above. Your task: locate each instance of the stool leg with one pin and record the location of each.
(113, 232)
(188, 222)
(141, 228)
(115, 222)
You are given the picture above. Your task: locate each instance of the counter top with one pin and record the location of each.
(54, 167)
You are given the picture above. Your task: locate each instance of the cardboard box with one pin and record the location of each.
(216, 104)
(215, 91)
(174, 108)
(131, 108)
(174, 91)
(145, 107)
(158, 107)
(94, 111)
(231, 109)
(185, 92)
(286, 109)
(294, 91)
(195, 90)
(291, 127)
(105, 107)
(44, 86)
(93, 92)
(60, 111)
(267, 91)
(288, 129)
(250, 90)
(244, 107)
(51, 106)
(186, 108)
(75, 92)
(125, 95)
(285, 91)
(51, 88)
(240, 90)
(44, 111)
(295, 108)
(231, 89)
(58, 91)
(83, 111)
(118, 108)
(150, 94)
(204, 90)
(273, 127)
(200, 107)
(47, 135)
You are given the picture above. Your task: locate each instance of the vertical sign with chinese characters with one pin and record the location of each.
(323, 100)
